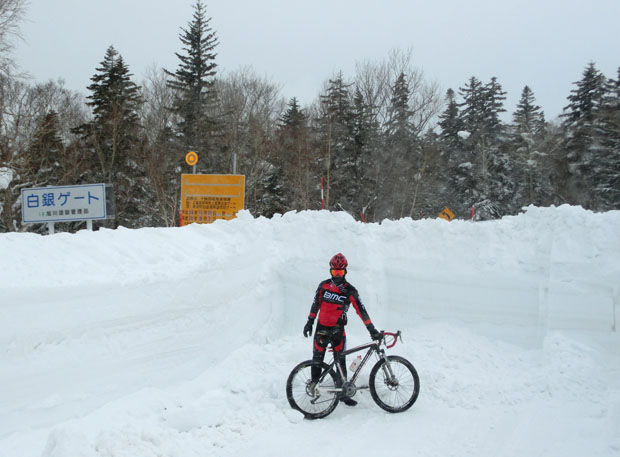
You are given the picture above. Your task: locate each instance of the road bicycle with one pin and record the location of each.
(393, 381)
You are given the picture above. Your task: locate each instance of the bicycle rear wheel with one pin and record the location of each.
(394, 388)
(312, 404)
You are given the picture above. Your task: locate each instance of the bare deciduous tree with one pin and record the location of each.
(158, 121)
(375, 81)
(23, 110)
(250, 106)
(11, 14)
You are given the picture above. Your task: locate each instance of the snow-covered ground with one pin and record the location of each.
(177, 342)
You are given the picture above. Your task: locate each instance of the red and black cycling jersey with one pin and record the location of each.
(332, 301)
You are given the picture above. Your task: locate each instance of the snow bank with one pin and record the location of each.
(540, 266)
(177, 342)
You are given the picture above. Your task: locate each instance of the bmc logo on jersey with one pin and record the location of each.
(334, 297)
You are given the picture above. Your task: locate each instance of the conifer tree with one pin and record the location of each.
(365, 133)
(193, 83)
(472, 108)
(114, 100)
(399, 152)
(294, 117)
(398, 127)
(293, 141)
(113, 136)
(583, 139)
(586, 98)
(528, 117)
(488, 185)
(468, 175)
(450, 122)
(494, 98)
(531, 173)
(607, 188)
(44, 156)
(407, 172)
(336, 135)
(456, 159)
(498, 187)
(43, 162)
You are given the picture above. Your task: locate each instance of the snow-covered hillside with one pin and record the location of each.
(177, 342)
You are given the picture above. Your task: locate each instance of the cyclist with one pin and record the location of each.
(331, 303)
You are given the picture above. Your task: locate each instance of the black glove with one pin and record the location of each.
(308, 328)
(374, 333)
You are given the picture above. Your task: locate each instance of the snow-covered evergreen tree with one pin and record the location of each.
(193, 83)
(607, 187)
(493, 106)
(531, 171)
(400, 153)
(472, 109)
(113, 138)
(336, 135)
(451, 123)
(44, 155)
(365, 144)
(294, 153)
(486, 175)
(583, 139)
(114, 100)
(528, 118)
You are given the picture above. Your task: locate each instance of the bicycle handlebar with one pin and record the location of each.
(384, 340)
(391, 343)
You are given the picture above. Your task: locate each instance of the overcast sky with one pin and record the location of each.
(545, 44)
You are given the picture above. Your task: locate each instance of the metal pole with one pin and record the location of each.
(615, 298)
(89, 224)
(50, 227)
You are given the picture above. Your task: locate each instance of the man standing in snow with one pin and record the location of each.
(331, 303)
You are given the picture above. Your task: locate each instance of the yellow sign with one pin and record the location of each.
(205, 198)
(191, 158)
(446, 214)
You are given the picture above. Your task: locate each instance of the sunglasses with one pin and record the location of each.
(338, 273)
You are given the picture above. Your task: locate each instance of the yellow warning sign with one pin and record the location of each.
(191, 158)
(446, 214)
(206, 198)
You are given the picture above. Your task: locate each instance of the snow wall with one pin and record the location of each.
(525, 270)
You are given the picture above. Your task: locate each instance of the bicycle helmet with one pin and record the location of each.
(338, 262)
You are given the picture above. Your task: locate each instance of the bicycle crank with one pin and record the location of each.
(348, 389)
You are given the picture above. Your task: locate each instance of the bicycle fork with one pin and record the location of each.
(388, 374)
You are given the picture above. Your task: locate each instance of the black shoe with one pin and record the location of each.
(348, 401)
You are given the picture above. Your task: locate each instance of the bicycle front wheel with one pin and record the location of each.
(394, 384)
(314, 402)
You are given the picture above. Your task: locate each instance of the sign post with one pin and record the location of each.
(206, 198)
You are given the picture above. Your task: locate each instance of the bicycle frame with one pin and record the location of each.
(373, 348)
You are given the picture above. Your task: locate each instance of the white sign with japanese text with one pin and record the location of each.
(63, 203)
